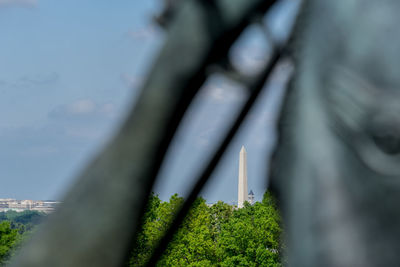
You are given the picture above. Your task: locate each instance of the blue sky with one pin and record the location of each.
(70, 69)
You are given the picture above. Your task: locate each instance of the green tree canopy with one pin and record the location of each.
(213, 235)
(9, 239)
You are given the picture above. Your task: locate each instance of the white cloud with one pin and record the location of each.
(82, 106)
(84, 109)
(18, 3)
(131, 81)
(142, 34)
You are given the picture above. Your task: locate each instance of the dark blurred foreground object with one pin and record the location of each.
(336, 165)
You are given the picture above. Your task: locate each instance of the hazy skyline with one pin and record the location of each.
(69, 71)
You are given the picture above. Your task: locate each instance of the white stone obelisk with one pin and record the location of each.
(242, 186)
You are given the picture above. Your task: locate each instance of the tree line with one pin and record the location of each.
(15, 228)
(213, 235)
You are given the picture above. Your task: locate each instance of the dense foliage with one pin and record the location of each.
(213, 235)
(15, 227)
(9, 238)
(25, 220)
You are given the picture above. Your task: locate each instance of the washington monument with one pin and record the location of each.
(242, 185)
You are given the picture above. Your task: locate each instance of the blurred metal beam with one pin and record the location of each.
(337, 167)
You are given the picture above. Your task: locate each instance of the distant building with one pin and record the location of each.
(47, 206)
(251, 197)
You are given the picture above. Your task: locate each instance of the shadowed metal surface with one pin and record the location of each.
(337, 166)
